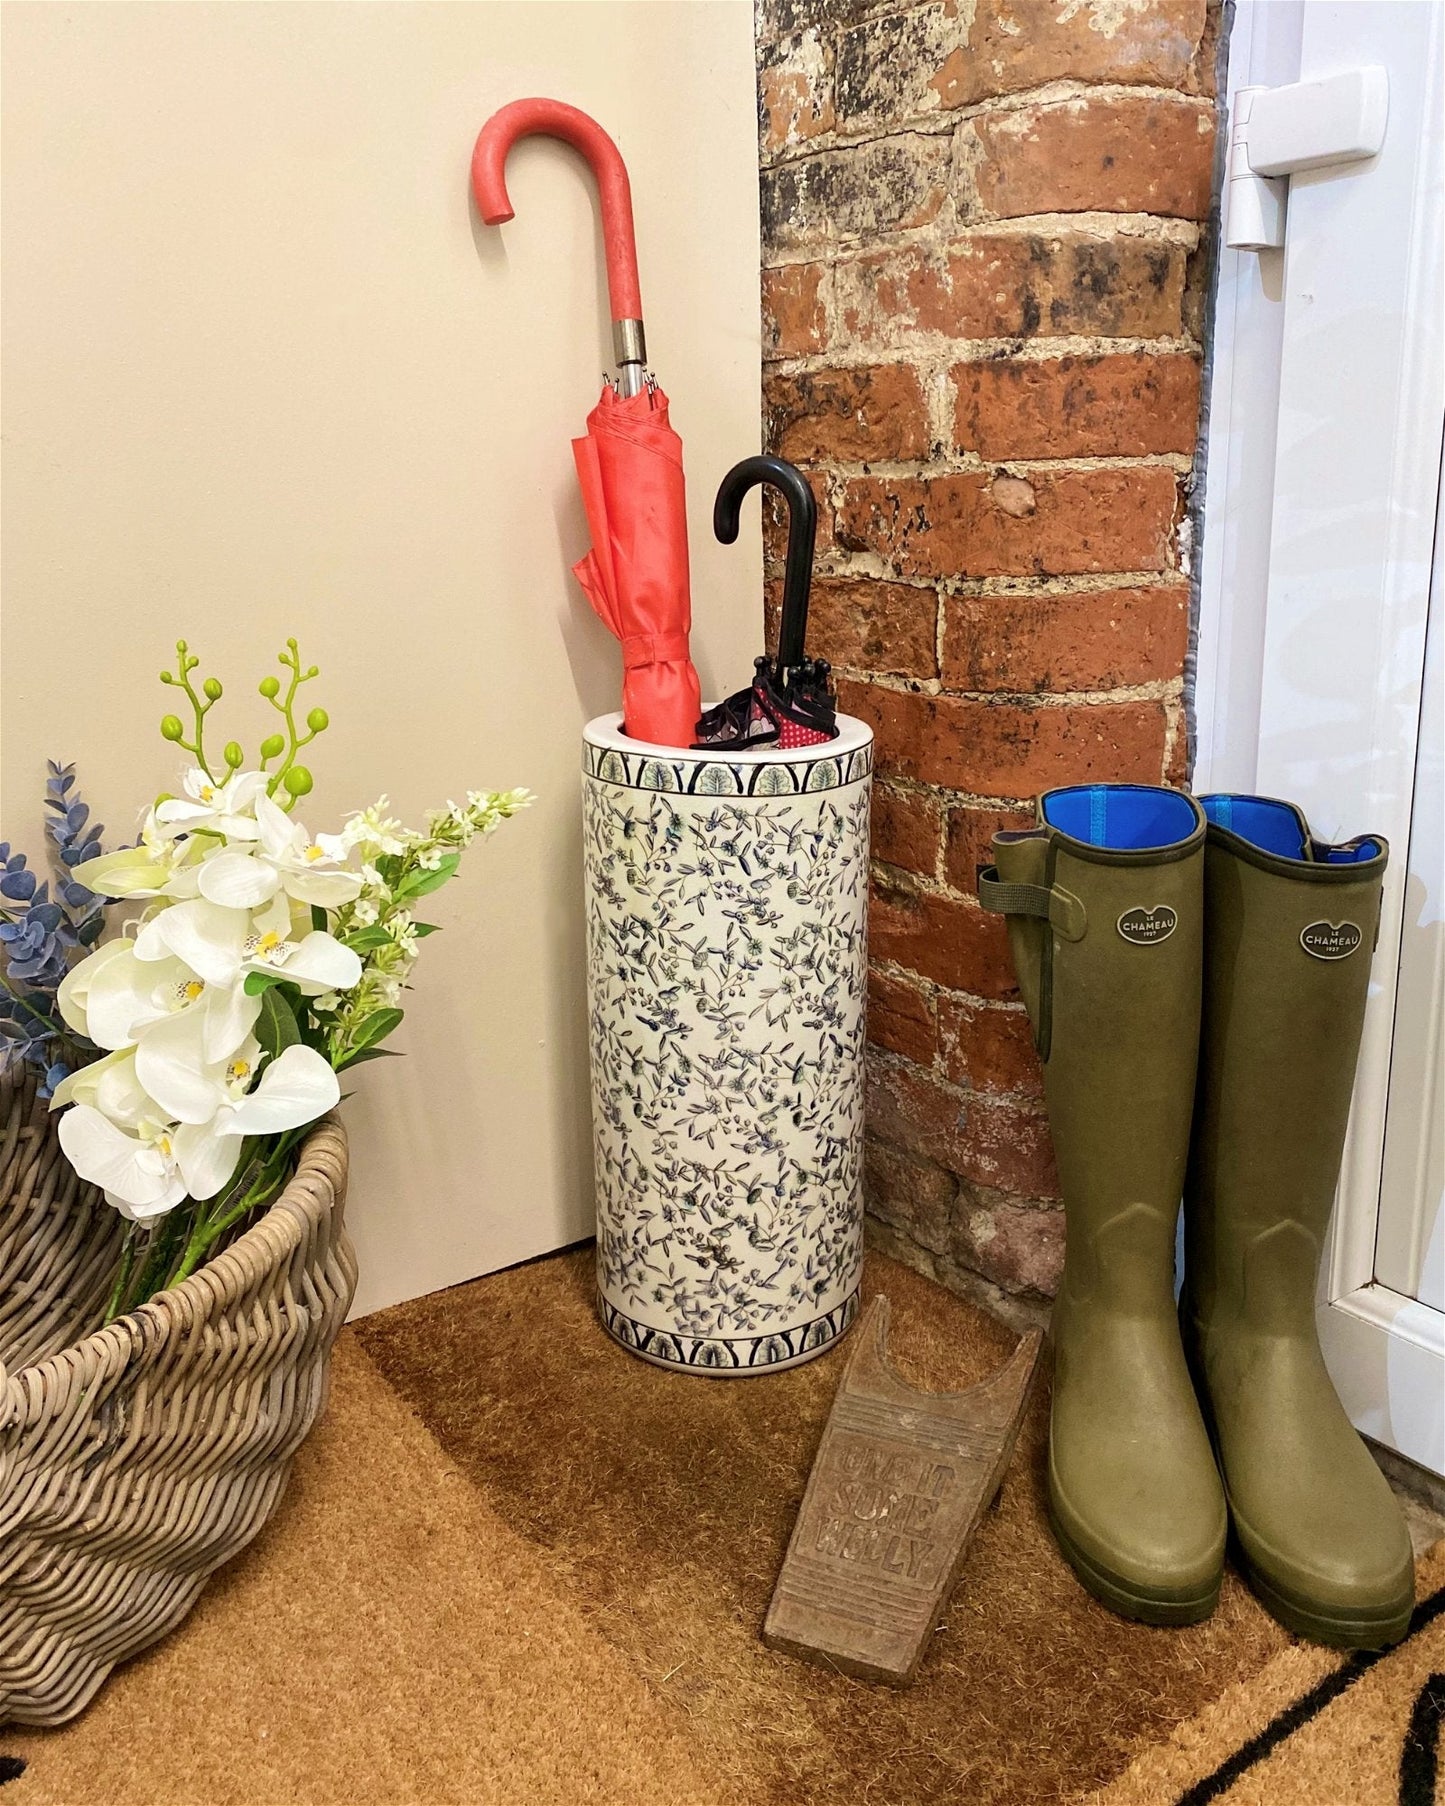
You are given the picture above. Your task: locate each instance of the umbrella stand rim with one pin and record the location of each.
(605, 731)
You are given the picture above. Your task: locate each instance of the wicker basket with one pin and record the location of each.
(136, 1458)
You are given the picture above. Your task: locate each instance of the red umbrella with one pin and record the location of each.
(629, 464)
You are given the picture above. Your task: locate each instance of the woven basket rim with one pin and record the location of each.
(309, 1196)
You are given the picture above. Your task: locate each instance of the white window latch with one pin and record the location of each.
(1276, 132)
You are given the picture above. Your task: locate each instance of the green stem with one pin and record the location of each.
(122, 1278)
(263, 1186)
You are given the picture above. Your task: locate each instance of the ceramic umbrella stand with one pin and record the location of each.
(727, 961)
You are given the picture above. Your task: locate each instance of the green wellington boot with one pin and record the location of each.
(1105, 905)
(1290, 926)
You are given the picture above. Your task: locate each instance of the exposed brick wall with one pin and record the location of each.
(981, 308)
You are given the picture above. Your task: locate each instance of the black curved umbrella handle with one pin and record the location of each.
(778, 474)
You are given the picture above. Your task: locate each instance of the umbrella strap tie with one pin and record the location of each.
(652, 649)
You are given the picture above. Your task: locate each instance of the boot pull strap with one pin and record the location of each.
(1060, 908)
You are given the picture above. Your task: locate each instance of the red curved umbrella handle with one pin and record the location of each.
(553, 119)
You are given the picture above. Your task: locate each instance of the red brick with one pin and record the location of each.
(900, 1018)
(1090, 640)
(993, 1142)
(874, 626)
(877, 411)
(914, 1195)
(986, 286)
(1128, 405)
(1018, 1248)
(842, 196)
(1123, 155)
(795, 91)
(795, 313)
(907, 829)
(967, 836)
(1008, 749)
(1017, 44)
(1052, 523)
(988, 1049)
(947, 55)
(955, 943)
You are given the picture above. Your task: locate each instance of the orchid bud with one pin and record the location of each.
(212, 689)
(272, 746)
(171, 727)
(270, 687)
(233, 755)
(317, 720)
(297, 780)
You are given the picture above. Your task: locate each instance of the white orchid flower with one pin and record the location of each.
(114, 996)
(140, 1171)
(146, 1165)
(174, 1065)
(286, 858)
(295, 1089)
(111, 1086)
(224, 945)
(72, 997)
(227, 808)
(158, 866)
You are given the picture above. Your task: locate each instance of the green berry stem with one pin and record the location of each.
(295, 780)
(172, 727)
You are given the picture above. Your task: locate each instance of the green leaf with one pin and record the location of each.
(375, 1027)
(276, 1028)
(419, 883)
(318, 917)
(389, 867)
(422, 929)
(365, 939)
(370, 1053)
(257, 982)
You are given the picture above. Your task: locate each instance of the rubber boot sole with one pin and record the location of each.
(1338, 1630)
(1125, 1598)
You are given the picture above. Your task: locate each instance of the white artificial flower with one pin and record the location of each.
(176, 1068)
(376, 832)
(285, 858)
(158, 866)
(297, 1087)
(114, 996)
(365, 913)
(147, 1165)
(73, 994)
(223, 946)
(227, 808)
(140, 1172)
(111, 1086)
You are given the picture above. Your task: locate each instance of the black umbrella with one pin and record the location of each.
(790, 701)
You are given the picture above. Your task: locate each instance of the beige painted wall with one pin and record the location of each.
(265, 373)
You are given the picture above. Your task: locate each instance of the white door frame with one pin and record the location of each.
(1322, 484)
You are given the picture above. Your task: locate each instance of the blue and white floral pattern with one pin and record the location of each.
(727, 961)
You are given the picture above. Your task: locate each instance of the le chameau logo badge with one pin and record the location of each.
(1330, 940)
(1147, 927)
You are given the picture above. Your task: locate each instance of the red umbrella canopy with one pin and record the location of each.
(629, 467)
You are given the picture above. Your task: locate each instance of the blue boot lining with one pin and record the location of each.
(1275, 828)
(1125, 817)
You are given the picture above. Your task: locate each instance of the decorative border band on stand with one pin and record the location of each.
(724, 1354)
(710, 777)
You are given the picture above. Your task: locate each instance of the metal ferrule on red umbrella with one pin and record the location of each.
(554, 119)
